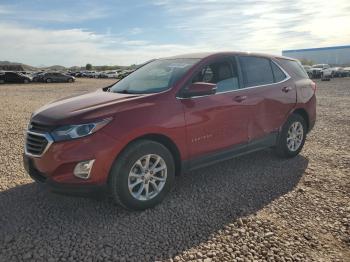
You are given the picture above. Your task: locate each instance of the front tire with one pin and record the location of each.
(142, 175)
(292, 137)
(49, 80)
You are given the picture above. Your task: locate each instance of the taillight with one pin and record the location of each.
(313, 86)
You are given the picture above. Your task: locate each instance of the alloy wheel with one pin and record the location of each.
(295, 136)
(147, 177)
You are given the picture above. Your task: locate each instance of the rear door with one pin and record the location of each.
(216, 122)
(271, 94)
(61, 77)
(302, 82)
(11, 77)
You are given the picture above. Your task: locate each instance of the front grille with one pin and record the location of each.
(36, 143)
(37, 127)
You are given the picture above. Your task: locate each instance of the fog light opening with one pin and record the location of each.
(82, 169)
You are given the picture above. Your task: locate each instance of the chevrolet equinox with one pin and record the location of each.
(170, 116)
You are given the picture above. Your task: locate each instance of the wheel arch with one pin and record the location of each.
(303, 113)
(165, 141)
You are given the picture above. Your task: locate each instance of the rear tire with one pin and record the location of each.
(26, 81)
(292, 137)
(70, 80)
(142, 175)
(49, 80)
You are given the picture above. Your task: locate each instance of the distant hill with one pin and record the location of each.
(14, 66)
(6, 65)
(54, 68)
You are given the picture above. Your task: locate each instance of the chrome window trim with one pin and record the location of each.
(245, 88)
(47, 137)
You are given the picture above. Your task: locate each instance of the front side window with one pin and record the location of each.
(222, 73)
(256, 71)
(156, 76)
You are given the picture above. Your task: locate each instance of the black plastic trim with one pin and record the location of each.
(235, 151)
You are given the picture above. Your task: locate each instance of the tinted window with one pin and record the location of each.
(277, 73)
(256, 71)
(294, 67)
(222, 73)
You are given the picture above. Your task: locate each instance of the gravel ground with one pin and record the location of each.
(256, 207)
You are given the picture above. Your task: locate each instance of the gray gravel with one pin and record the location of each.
(256, 207)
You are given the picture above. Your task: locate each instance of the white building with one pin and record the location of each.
(336, 55)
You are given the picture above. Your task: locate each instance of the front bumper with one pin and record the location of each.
(39, 177)
(55, 167)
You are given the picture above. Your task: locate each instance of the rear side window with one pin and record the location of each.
(294, 67)
(256, 71)
(277, 73)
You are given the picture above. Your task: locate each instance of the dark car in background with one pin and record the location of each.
(54, 77)
(14, 77)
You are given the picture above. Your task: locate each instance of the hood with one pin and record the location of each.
(81, 109)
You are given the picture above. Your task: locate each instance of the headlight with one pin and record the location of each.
(75, 131)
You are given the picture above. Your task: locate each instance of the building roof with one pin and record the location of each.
(317, 49)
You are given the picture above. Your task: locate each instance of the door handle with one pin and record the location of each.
(239, 98)
(286, 89)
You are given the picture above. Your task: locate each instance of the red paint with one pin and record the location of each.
(196, 126)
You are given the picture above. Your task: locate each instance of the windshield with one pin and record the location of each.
(154, 77)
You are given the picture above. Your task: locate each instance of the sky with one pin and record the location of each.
(43, 33)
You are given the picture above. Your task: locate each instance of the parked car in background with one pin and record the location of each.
(2, 77)
(37, 76)
(14, 77)
(346, 71)
(322, 71)
(338, 71)
(112, 74)
(79, 74)
(91, 74)
(55, 77)
(102, 74)
(125, 73)
(308, 70)
(170, 116)
(71, 73)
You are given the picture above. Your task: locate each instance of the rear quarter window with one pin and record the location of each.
(294, 68)
(278, 73)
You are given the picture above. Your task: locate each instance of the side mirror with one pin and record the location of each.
(199, 89)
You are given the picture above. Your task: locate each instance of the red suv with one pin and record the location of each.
(170, 116)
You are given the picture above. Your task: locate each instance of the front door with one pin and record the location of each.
(219, 121)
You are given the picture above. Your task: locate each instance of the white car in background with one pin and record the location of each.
(322, 71)
(111, 74)
(91, 74)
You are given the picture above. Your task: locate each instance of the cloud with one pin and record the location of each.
(67, 14)
(261, 25)
(267, 26)
(77, 47)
